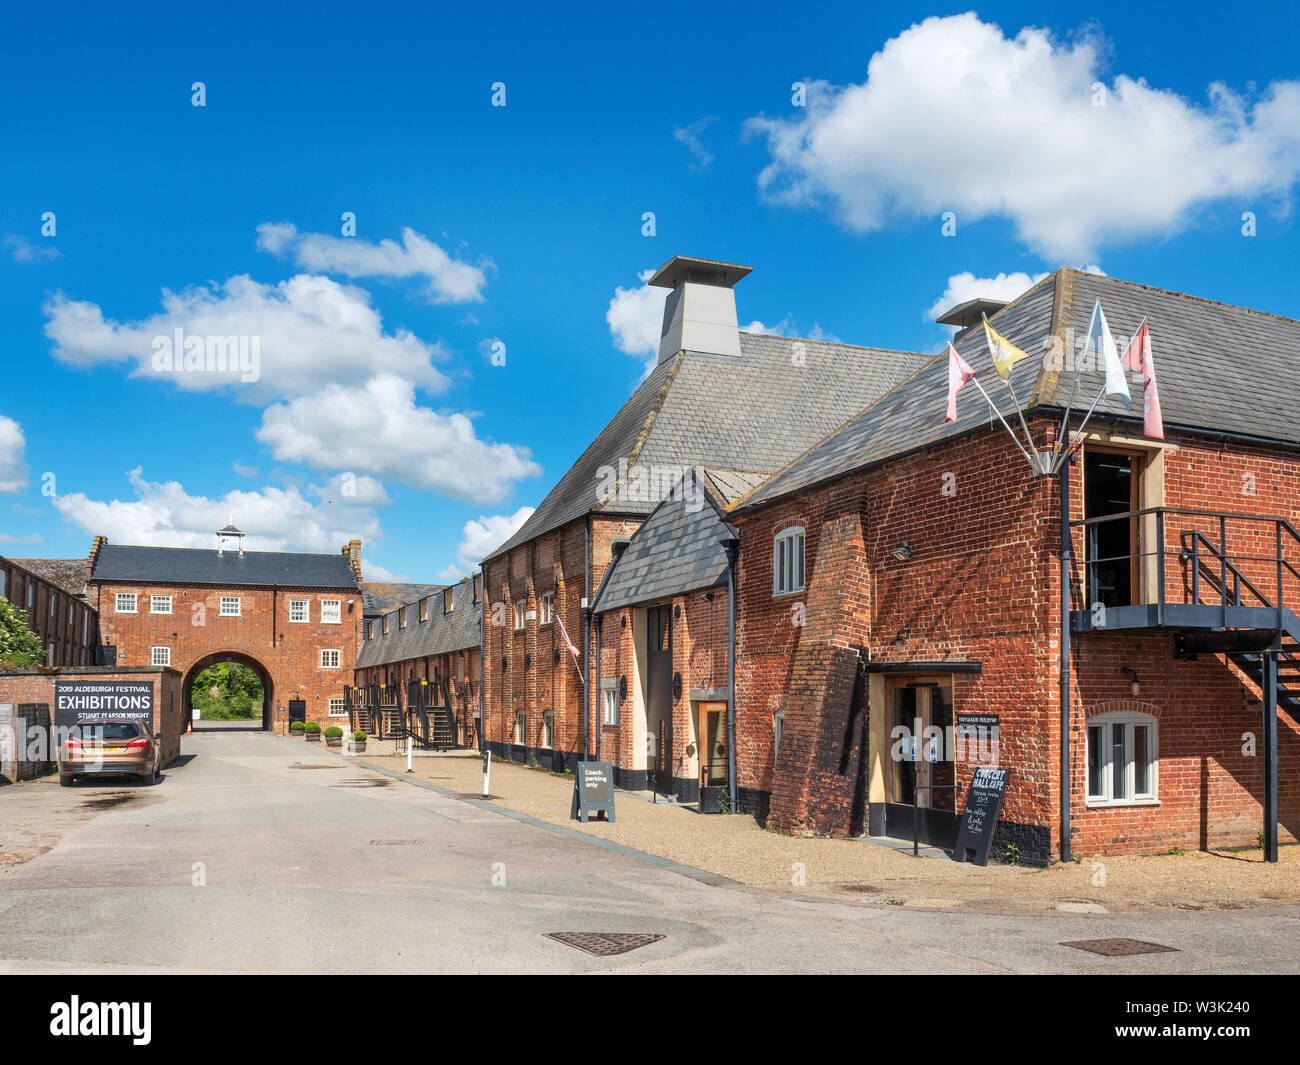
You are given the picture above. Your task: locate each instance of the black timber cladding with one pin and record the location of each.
(178, 565)
(678, 549)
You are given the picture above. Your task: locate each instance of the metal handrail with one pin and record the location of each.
(1231, 577)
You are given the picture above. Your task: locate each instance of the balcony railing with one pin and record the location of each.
(1183, 565)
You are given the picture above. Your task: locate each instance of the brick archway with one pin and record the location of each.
(243, 659)
(1127, 706)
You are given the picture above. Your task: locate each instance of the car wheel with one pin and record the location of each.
(65, 780)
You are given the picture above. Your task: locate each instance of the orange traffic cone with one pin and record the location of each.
(189, 729)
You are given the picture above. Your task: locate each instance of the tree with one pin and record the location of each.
(20, 648)
(226, 691)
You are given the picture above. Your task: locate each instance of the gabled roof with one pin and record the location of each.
(439, 633)
(186, 565)
(67, 574)
(748, 415)
(381, 597)
(1214, 364)
(678, 549)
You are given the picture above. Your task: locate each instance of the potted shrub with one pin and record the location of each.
(313, 731)
(334, 736)
(358, 742)
(297, 728)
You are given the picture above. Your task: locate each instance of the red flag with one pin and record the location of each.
(1138, 357)
(565, 636)
(959, 372)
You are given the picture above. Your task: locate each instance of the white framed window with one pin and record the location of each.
(230, 606)
(53, 604)
(331, 611)
(71, 616)
(1123, 760)
(548, 608)
(521, 614)
(299, 610)
(160, 604)
(329, 659)
(610, 702)
(787, 561)
(548, 729)
(160, 656)
(778, 726)
(4, 583)
(124, 603)
(31, 596)
(338, 708)
(520, 728)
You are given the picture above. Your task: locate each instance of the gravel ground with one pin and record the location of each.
(737, 847)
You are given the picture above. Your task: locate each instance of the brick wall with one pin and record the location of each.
(63, 622)
(287, 652)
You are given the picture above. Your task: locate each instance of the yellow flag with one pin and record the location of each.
(1004, 354)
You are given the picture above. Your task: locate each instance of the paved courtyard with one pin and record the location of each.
(264, 854)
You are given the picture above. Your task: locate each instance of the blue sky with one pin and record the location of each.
(377, 411)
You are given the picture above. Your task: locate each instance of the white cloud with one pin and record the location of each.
(690, 137)
(9, 538)
(380, 429)
(966, 286)
(244, 471)
(24, 251)
(352, 490)
(309, 329)
(481, 536)
(13, 469)
(447, 280)
(787, 327)
(954, 116)
(636, 319)
(163, 514)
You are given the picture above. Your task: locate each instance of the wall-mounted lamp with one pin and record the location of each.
(1135, 685)
(902, 554)
(903, 634)
(707, 597)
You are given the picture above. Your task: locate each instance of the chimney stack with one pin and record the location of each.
(700, 312)
(352, 552)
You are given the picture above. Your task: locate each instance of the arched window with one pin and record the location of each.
(787, 561)
(1123, 759)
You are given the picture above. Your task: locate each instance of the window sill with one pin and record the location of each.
(784, 595)
(1118, 804)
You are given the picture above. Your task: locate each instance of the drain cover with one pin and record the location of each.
(1119, 948)
(605, 944)
(396, 842)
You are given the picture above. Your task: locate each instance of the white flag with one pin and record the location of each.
(1103, 344)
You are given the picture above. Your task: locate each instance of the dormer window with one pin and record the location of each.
(448, 599)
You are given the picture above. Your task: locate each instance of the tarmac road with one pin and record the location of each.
(264, 854)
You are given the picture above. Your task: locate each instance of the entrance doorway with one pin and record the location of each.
(920, 776)
(712, 733)
(659, 693)
(235, 689)
(1111, 485)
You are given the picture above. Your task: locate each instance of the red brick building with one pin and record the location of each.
(720, 412)
(52, 591)
(293, 618)
(419, 665)
(899, 615)
(931, 593)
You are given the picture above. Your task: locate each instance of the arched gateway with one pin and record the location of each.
(293, 618)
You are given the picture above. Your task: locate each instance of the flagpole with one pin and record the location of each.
(1029, 437)
(1075, 439)
(993, 406)
(1064, 433)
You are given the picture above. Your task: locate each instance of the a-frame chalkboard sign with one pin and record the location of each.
(593, 791)
(980, 819)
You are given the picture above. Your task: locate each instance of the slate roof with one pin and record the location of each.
(749, 415)
(68, 574)
(439, 633)
(677, 549)
(1213, 362)
(185, 565)
(382, 597)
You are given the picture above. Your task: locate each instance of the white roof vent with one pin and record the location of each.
(700, 312)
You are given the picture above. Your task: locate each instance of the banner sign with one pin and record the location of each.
(113, 700)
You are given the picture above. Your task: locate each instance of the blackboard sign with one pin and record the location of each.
(113, 700)
(980, 818)
(593, 791)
